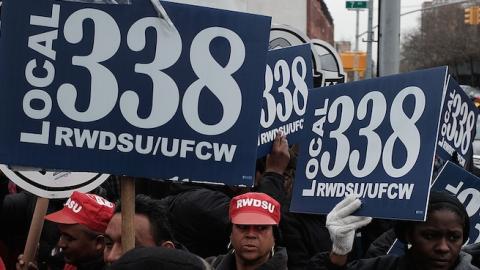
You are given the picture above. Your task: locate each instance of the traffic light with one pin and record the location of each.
(469, 15)
(477, 15)
(354, 61)
(472, 15)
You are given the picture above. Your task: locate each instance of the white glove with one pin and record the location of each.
(342, 226)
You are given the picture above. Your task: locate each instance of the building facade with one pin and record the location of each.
(310, 16)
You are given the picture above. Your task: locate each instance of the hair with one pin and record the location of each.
(461, 213)
(156, 213)
(277, 235)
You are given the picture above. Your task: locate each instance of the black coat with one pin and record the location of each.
(227, 261)
(321, 261)
(303, 235)
(199, 219)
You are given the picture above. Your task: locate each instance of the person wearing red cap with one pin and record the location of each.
(255, 217)
(82, 223)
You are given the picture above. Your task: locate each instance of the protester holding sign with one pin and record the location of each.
(255, 218)
(82, 223)
(434, 244)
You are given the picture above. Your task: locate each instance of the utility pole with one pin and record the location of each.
(357, 5)
(368, 73)
(357, 37)
(389, 40)
(381, 20)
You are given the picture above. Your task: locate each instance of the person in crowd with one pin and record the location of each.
(152, 228)
(82, 223)
(254, 231)
(199, 213)
(433, 244)
(159, 258)
(16, 214)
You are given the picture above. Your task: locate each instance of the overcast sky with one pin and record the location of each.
(344, 19)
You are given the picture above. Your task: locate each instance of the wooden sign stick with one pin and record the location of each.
(35, 231)
(128, 212)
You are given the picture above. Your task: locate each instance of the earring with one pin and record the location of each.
(229, 246)
(273, 251)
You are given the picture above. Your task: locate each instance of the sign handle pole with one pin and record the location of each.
(128, 212)
(35, 231)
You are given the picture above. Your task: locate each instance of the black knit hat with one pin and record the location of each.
(438, 200)
(159, 258)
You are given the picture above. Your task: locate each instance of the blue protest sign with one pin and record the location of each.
(466, 187)
(288, 77)
(458, 122)
(115, 89)
(374, 139)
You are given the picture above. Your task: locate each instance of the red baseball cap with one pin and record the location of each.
(254, 208)
(87, 209)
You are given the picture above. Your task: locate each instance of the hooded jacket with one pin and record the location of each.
(322, 261)
(96, 264)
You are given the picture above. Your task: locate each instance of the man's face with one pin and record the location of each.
(252, 243)
(79, 244)
(436, 243)
(113, 236)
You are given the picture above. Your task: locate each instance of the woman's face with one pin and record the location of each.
(436, 243)
(252, 243)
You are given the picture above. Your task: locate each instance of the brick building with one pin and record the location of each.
(319, 21)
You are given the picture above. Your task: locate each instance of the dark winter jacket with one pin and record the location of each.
(199, 219)
(474, 250)
(381, 245)
(97, 264)
(321, 261)
(303, 235)
(227, 261)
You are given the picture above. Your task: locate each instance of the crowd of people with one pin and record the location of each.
(193, 226)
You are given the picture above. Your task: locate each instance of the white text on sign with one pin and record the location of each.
(405, 134)
(105, 92)
(293, 100)
(460, 130)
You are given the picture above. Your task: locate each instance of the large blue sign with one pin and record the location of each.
(288, 77)
(374, 139)
(458, 122)
(116, 89)
(466, 187)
